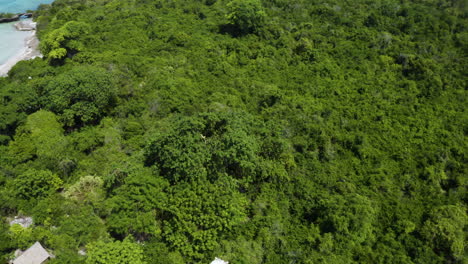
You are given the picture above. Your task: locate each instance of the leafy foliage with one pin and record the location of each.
(86, 189)
(255, 131)
(246, 16)
(36, 184)
(64, 40)
(445, 229)
(80, 95)
(205, 148)
(41, 137)
(102, 252)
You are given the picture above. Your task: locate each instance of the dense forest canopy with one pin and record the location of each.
(257, 131)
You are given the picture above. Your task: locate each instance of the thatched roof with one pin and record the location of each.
(36, 254)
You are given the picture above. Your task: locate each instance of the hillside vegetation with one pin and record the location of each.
(256, 131)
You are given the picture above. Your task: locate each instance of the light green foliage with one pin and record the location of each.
(114, 252)
(65, 40)
(23, 237)
(246, 15)
(57, 53)
(81, 95)
(86, 189)
(445, 229)
(241, 250)
(36, 184)
(41, 136)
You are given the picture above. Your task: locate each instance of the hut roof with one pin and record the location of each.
(36, 254)
(219, 261)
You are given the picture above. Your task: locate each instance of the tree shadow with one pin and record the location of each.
(231, 30)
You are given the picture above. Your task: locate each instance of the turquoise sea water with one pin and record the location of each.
(17, 6)
(11, 41)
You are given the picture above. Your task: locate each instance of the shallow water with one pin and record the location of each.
(12, 41)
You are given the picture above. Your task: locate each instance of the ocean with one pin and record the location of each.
(18, 6)
(12, 41)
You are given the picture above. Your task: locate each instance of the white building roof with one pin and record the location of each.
(25, 221)
(219, 261)
(36, 254)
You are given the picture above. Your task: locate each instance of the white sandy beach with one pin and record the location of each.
(29, 51)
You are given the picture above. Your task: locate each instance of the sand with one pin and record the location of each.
(29, 51)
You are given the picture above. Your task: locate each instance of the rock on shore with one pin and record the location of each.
(26, 25)
(15, 18)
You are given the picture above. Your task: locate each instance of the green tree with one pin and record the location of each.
(200, 213)
(41, 137)
(158, 253)
(445, 230)
(115, 252)
(59, 43)
(205, 147)
(6, 243)
(336, 130)
(22, 237)
(81, 95)
(241, 250)
(247, 16)
(36, 184)
(86, 189)
(18, 100)
(136, 206)
(79, 226)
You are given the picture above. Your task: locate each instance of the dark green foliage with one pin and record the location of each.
(274, 131)
(81, 95)
(205, 148)
(35, 184)
(158, 253)
(247, 16)
(6, 244)
(199, 213)
(136, 205)
(80, 227)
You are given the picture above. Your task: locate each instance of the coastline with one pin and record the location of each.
(29, 51)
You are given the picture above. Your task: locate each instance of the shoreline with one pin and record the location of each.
(29, 51)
